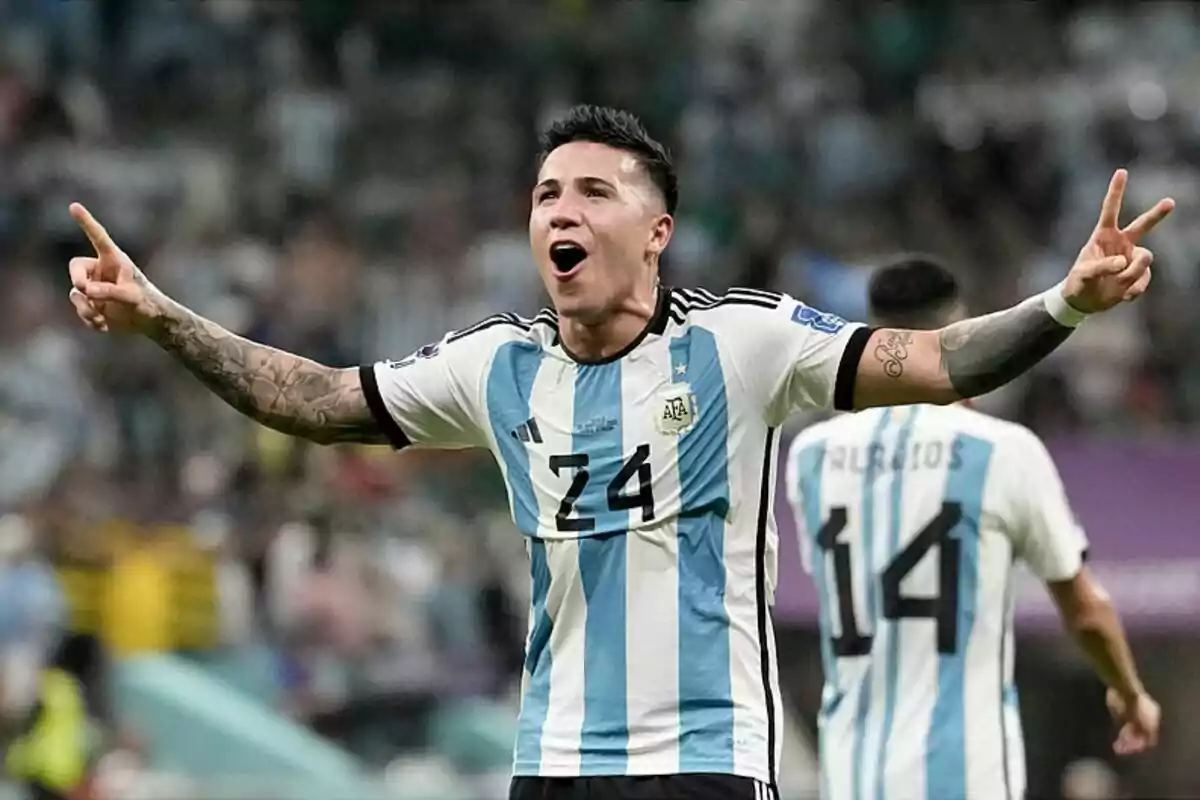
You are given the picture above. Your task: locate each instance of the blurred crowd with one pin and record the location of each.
(349, 180)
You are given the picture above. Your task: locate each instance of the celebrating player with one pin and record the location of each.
(912, 520)
(635, 426)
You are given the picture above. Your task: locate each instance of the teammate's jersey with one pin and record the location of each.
(644, 484)
(911, 521)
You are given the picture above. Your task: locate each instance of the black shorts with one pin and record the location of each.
(650, 787)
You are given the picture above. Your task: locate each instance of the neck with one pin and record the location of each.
(604, 339)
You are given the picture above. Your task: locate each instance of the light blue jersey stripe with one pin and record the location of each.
(868, 545)
(604, 739)
(893, 653)
(810, 463)
(509, 386)
(705, 681)
(946, 760)
(536, 701)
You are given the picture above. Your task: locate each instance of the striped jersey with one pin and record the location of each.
(911, 520)
(644, 486)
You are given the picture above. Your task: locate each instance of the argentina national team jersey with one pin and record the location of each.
(911, 520)
(643, 484)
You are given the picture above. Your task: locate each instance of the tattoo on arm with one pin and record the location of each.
(892, 351)
(984, 353)
(291, 394)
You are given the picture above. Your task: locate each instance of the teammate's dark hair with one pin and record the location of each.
(913, 291)
(619, 129)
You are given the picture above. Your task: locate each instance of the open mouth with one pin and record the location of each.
(566, 257)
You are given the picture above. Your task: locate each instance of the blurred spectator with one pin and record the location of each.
(32, 615)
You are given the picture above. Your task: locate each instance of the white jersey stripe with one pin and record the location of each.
(565, 603)
(653, 657)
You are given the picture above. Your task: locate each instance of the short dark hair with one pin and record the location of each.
(619, 129)
(912, 291)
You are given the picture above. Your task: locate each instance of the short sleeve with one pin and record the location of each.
(431, 398)
(795, 357)
(1046, 535)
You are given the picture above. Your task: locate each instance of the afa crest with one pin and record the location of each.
(676, 411)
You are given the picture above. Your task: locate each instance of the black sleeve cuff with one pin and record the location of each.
(370, 387)
(847, 374)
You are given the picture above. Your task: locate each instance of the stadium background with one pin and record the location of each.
(350, 179)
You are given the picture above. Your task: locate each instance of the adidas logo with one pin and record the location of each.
(528, 432)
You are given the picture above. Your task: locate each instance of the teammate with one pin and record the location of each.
(911, 520)
(635, 426)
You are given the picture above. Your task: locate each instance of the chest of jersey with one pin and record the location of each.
(607, 448)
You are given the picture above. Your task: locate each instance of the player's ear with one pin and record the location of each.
(660, 234)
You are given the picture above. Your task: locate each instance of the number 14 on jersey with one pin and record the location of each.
(941, 608)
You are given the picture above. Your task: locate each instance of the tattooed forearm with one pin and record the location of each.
(282, 391)
(893, 350)
(984, 353)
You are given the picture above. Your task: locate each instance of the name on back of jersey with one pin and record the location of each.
(918, 455)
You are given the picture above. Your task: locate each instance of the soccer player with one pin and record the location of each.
(635, 426)
(911, 520)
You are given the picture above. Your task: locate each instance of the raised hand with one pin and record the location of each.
(108, 290)
(1139, 720)
(1111, 267)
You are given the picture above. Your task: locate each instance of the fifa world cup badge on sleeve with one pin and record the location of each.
(820, 321)
(677, 411)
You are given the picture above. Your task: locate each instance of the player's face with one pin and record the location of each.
(597, 227)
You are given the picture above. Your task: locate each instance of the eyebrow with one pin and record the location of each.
(589, 180)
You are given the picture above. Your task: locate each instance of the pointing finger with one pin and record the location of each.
(1148, 219)
(95, 231)
(1110, 210)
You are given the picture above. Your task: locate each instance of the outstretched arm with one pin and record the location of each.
(283, 391)
(280, 390)
(978, 355)
(966, 359)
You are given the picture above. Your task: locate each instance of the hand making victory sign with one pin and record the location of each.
(1111, 267)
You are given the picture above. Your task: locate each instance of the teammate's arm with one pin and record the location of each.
(1089, 616)
(1048, 539)
(978, 355)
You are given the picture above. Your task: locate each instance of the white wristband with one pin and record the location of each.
(1063, 312)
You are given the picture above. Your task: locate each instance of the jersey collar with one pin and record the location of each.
(657, 325)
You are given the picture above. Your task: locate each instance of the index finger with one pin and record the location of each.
(1110, 210)
(94, 230)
